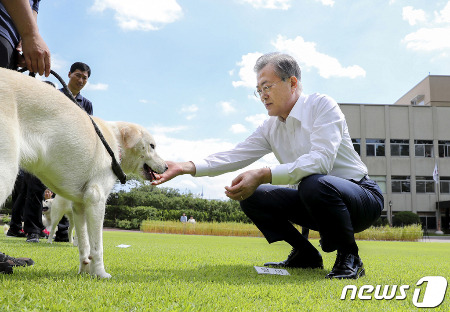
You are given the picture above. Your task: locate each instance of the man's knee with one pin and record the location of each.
(253, 200)
(312, 189)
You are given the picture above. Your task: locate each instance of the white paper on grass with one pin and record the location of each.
(123, 246)
(265, 270)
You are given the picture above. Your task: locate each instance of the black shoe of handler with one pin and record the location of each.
(298, 260)
(347, 266)
(61, 238)
(33, 238)
(12, 233)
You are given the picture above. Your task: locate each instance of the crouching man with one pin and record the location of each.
(309, 136)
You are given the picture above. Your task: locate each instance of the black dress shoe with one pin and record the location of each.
(297, 259)
(347, 266)
(61, 238)
(13, 233)
(33, 238)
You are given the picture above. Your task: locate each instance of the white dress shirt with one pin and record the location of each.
(314, 139)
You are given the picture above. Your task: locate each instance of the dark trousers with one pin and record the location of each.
(335, 207)
(28, 203)
(63, 227)
(18, 202)
(7, 54)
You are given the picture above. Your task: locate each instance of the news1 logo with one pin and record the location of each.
(433, 296)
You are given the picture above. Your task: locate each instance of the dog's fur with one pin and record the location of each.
(46, 134)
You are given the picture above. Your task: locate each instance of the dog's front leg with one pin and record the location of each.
(94, 218)
(79, 219)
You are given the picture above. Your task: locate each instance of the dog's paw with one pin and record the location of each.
(102, 275)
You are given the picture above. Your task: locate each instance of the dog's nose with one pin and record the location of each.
(166, 167)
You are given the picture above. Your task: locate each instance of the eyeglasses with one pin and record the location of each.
(266, 89)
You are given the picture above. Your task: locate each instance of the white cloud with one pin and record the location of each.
(307, 56)
(433, 37)
(163, 131)
(227, 107)
(143, 101)
(246, 73)
(96, 86)
(327, 2)
(413, 16)
(428, 39)
(256, 120)
(270, 4)
(141, 14)
(189, 109)
(444, 15)
(238, 128)
(59, 65)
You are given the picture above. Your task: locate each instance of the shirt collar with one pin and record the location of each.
(296, 111)
(79, 97)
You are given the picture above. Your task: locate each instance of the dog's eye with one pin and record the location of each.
(152, 146)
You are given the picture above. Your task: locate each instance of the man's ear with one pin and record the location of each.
(294, 81)
(130, 136)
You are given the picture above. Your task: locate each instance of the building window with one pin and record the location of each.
(399, 147)
(381, 181)
(401, 184)
(428, 222)
(357, 145)
(423, 148)
(444, 148)
(444, 183)
(374, 147)
(424, 185)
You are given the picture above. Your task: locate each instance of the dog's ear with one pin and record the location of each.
(130, 136)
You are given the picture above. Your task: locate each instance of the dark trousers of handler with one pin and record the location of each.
(335, 207)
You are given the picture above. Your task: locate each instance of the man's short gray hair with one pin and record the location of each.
(285, 65)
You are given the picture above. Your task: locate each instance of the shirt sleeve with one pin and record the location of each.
(35, 5)
(245, 153)
(89, 107)
(326, 135)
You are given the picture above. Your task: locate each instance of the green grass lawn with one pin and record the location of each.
(162, 272)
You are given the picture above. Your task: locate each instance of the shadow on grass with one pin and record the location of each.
(223, 274)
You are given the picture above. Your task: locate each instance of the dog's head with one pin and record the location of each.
(139, 152)
(47, 206)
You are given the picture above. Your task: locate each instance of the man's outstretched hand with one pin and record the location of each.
(174, 169)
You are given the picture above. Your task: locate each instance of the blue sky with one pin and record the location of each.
(184, 69)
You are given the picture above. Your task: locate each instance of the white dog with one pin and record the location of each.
(54, 209)
(46, 213)
(45, 133)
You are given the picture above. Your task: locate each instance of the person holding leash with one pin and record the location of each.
(19, 32)
(309, 136)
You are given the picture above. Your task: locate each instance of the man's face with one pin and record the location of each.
(78, 80)
(278, 97)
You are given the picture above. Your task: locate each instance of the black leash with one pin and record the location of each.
(114, 164)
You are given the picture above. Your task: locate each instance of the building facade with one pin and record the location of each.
(406, 147)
